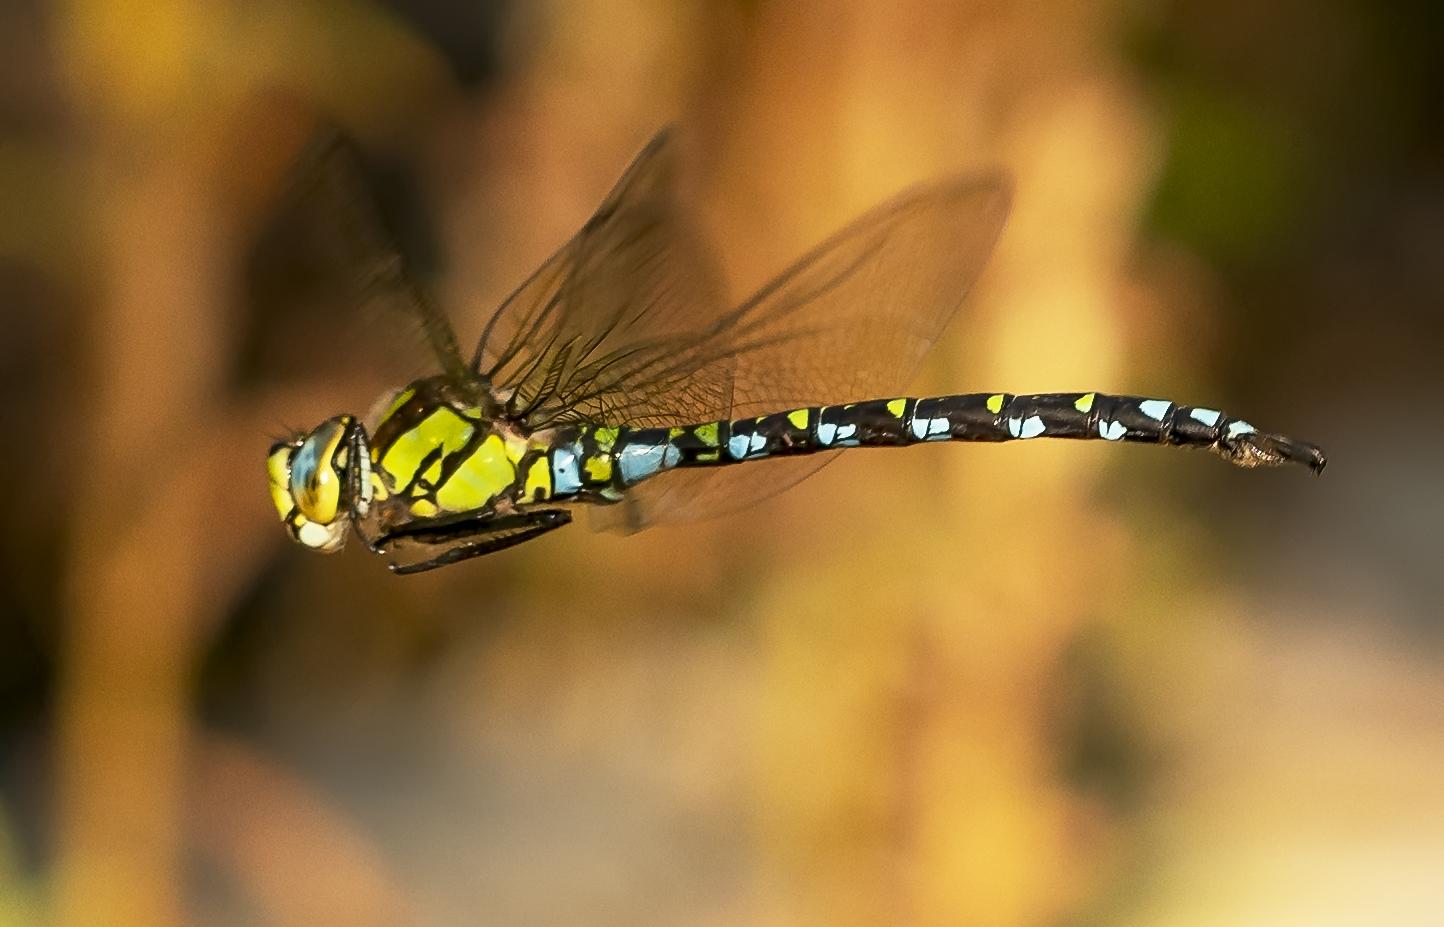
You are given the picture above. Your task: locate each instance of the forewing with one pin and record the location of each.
(851, 320)
(591, 334)
(627, 324)
(854, 318)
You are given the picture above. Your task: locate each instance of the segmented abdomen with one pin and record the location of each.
(608, 460)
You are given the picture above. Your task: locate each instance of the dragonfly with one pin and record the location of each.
(618, 377)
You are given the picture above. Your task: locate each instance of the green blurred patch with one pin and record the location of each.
(1233, 186)
(19, 894)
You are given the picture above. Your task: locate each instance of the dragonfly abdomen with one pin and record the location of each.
(637, 454)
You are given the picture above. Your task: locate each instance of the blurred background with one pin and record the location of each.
(1042, 684)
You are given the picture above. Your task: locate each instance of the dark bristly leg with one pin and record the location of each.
(473, 537)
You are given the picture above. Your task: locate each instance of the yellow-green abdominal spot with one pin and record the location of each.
(896, 407)
(799, 418)
(539, 480)
(442, 428)
(709, 434)
(995, 403)
(599, 468)
(606, 438)
(479, 479)
(1085, 402)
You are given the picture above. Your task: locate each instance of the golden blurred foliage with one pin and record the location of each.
(948, 686)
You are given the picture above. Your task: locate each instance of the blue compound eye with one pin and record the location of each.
(315, 482)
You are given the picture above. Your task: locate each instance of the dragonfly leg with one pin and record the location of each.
(473, 538)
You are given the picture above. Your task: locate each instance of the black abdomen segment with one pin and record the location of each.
(643, 452)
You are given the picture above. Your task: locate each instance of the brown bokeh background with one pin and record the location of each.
(1048, 684)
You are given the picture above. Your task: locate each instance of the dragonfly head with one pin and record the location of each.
(320, 482)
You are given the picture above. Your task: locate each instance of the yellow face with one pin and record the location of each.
(321, 481)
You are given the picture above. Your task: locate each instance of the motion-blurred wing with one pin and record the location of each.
(328, 245)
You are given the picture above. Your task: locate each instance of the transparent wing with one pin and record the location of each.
(851, 320)
(590, 334)
(625, 324)
(328, 242)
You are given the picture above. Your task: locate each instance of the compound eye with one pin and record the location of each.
(278, 469)
(316, 484)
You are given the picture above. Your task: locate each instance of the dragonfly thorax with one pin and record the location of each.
(440, 451)
(321, 482)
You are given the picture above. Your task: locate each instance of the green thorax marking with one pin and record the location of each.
(436, 451)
